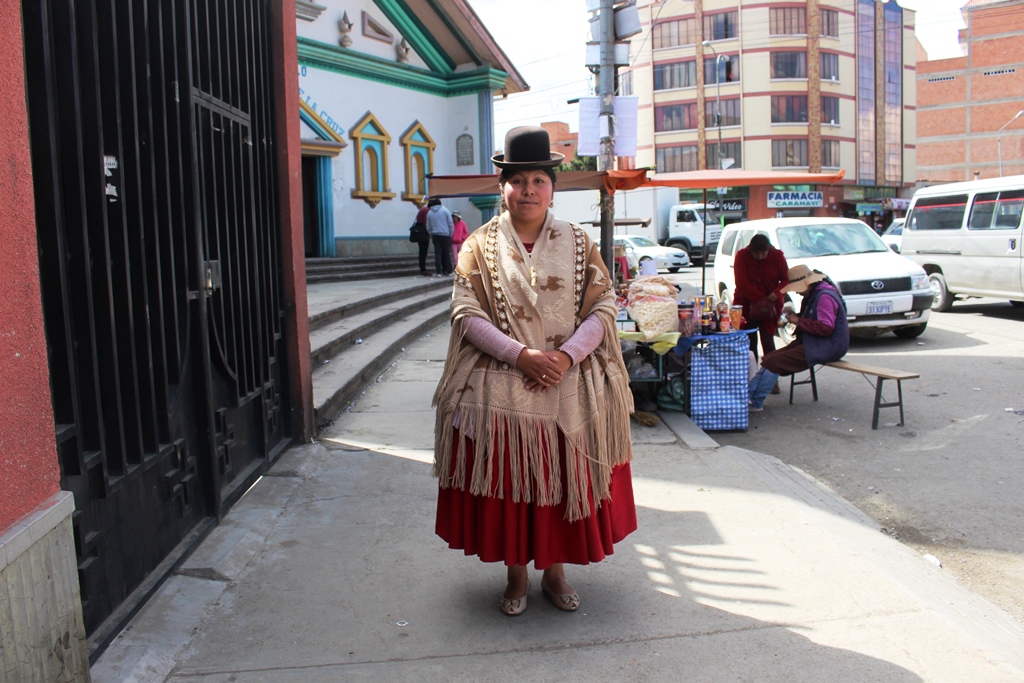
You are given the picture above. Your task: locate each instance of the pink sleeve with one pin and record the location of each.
(584, 340)
(485, 336)
(482, 334)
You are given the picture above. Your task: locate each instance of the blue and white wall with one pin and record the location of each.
(398, 95)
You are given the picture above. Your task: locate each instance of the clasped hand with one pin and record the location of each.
(543, 369)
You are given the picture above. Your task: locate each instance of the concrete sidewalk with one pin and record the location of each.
(742, 569)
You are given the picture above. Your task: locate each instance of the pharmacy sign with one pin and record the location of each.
(795, 200)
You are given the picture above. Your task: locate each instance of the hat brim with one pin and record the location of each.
(556, 159)
(801, 285)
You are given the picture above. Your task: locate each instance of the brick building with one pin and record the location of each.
(562, 141)
(964, 101)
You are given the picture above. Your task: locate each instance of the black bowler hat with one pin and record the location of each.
(527, 147)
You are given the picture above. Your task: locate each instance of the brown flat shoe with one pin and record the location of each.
(513, 607)
(567, 602)
(776, 390)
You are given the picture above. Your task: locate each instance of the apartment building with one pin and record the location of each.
(969, 125)
(816, 85)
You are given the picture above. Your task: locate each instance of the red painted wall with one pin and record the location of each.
(300, 370)
(28, 456)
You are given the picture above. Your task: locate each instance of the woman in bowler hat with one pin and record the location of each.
(532, 441)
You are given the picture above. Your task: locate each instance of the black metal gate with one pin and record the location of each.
(153, 151)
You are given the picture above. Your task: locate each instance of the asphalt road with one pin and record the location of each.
(950, 482)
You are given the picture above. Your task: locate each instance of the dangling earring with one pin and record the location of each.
(551, 205)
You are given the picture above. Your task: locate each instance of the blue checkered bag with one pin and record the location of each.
(718, 382)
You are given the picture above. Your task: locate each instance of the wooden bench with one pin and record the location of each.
(881, 373)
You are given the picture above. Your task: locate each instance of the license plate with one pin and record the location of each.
(879, 308)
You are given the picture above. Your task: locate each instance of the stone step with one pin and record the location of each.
(363, 274)
(320, 262)
(325, 308)
(360, 267)
(330, 339)
(339, 380)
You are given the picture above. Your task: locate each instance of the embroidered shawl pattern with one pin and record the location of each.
(538, 298)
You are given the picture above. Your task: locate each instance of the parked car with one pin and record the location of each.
(883, 291)
(893, 235)
(640, 248)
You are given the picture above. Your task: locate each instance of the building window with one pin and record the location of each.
(626, 83)
(675, 75)
(789, 153)
(419, 162)
(730, 150)
(721, 26)
(729, 71)
(371, 157)
(674, 33)
(830, 110)
(674, 159)
(731, 109)
(829, 66)
(829, 22)
(830, 153)
(789, 65)
(675, 117)
(866, 91)
(789, 109)
(893, 112)
(788, 21)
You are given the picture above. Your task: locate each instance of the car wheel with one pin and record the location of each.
(942, 300)
(912, 332)
(673, 270)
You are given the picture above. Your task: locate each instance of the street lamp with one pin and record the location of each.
(999, 139)
(718, 96)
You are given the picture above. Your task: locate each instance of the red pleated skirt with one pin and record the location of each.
(500, 530)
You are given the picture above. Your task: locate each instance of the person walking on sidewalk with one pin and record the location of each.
(532, 439)
(459, 235)
(440, 226)
(422, 237)
(822, 333)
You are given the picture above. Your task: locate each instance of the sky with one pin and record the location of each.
(546, 41)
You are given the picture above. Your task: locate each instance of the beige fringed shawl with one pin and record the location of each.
(539, 299)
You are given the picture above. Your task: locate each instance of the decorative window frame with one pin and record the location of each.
(418, 149)
(371, 142)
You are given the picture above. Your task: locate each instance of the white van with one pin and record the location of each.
(967, 237)
(883, 291)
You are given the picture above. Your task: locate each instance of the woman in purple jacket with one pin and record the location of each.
(822, 333)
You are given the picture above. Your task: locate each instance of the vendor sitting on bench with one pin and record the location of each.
(822, 335)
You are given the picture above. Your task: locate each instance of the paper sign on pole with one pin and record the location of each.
(590, 129)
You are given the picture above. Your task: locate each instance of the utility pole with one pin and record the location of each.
(606, 161)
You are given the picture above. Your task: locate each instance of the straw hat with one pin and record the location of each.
(802, 277)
